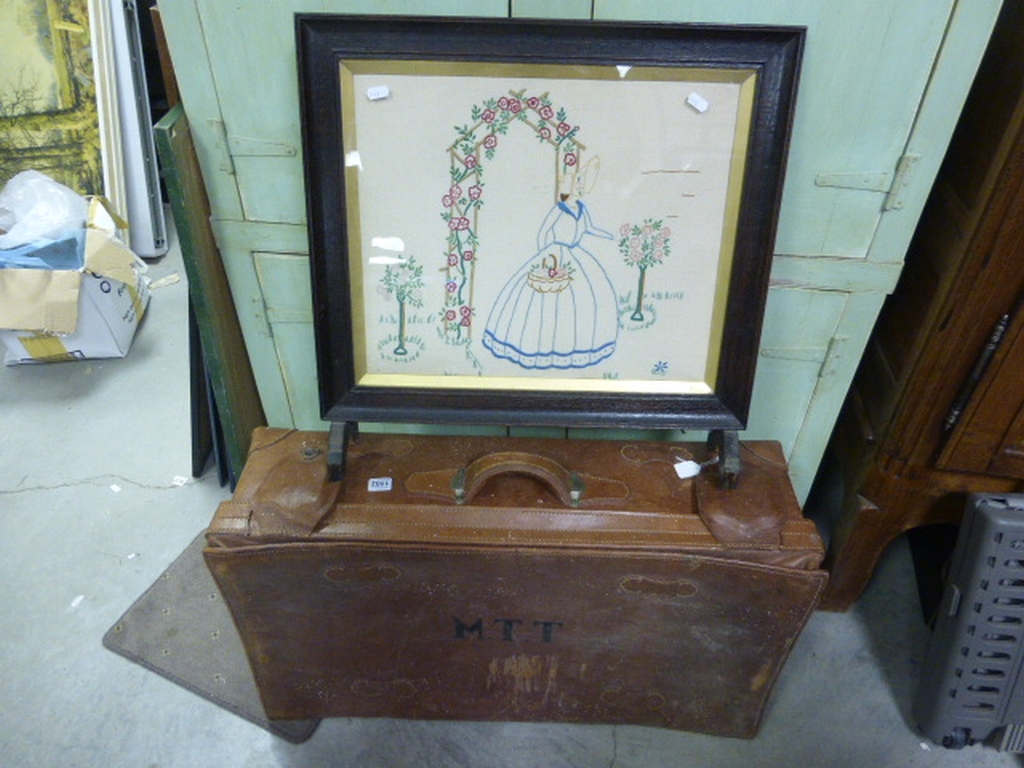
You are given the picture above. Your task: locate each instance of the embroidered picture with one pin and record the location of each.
(548, 287)
(545, 215)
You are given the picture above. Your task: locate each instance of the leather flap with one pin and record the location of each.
(516, 491)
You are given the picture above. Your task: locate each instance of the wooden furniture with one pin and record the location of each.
(881, 86)
(936, 410)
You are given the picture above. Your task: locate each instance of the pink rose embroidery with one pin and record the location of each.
(490, 141)
(475, 191)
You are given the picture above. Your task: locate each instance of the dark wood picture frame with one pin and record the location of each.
(325, 43)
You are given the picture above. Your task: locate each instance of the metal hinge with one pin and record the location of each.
(833, 355)
(826, 357)
(995, 338)
(229, 147)
(892, 184)
(904, 172)
(224, 161)
(243, 146)
(868, 181)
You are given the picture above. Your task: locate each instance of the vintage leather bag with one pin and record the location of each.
(503, 578)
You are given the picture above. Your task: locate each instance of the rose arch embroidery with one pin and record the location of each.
(461, 203)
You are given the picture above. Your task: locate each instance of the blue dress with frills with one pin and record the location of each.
(559, 309)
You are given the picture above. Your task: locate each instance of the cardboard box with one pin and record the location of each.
(93, 311)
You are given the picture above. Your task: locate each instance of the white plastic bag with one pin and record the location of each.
(35, 207)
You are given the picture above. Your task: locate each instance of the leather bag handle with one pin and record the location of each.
(567, 486)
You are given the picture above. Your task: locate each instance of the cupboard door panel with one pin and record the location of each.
(866, 66)
(833, 383)
(271, 189)
(194, 76)
(284, 279)
(799, 326)
(990, 437)
(238, 242)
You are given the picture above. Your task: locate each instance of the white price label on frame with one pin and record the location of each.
(379, 484)
(698, 102)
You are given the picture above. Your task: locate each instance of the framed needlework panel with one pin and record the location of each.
(533, 222)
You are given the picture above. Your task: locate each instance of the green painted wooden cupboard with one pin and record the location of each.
(882, 85)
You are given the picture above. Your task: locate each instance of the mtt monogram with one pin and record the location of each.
(545, 630)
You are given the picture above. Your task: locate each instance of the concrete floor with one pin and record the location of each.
(91, 513)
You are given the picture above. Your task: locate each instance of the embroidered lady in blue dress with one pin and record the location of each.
(559, 309)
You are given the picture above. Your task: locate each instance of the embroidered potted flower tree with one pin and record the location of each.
(643, 246)
(405, 282)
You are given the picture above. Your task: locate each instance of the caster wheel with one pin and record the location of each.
(958, 738)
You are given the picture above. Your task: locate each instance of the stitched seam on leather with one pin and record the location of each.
(573, 515)
(630, 536)
(565, 536)
(370, 522)
(505, 533)
(261, 550)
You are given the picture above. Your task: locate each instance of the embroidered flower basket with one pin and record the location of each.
(548, 277)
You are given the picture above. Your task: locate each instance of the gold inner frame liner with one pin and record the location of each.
(747, 80)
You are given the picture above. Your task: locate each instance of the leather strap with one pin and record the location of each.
(295, 494)
(567, 486)
(462, 484)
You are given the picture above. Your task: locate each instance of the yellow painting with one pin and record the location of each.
(49, 120)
